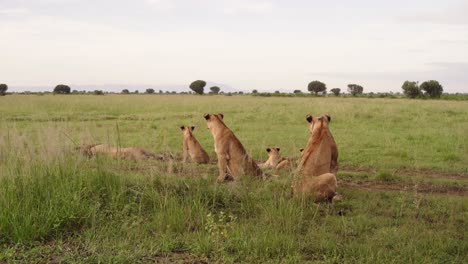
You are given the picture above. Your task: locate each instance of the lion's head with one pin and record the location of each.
(317, 123)
(213, 121)
(187, 130)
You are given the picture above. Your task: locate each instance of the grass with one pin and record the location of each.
(59, 207)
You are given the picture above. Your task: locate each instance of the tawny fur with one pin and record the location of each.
(192, 148)
(320, 188)
(233, 160)
(321, 153)
(275, 161)
(130, 153)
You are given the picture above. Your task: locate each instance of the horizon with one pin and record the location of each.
(237, 45)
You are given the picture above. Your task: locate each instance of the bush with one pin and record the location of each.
(62, 89)
(432, 88)
(297, 91)
(215, 89)
(150, 91)
(98, 92)
(197, 86)
(3, 89)
(125, 91)
(336, 91)
(317, 87)
(254, 91)
(355, 89)
(411, 89)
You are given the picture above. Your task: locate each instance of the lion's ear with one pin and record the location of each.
(278, 149)
(207, 116)
(309, 118)
(301, 150)
(221, 115)
(268, 150)
(193, 128)
(329, 117)
(182, 128)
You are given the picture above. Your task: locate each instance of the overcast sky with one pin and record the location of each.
(245, 44)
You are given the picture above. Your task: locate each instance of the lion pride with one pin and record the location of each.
(233, 160)
(192, 148)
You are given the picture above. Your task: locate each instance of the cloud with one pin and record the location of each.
(14, 11)
(452, 15)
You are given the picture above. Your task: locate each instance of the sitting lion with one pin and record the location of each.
(130, 153)
(319, 162)
(321, 153)
(193, 148)
(275, 161)
(233, 160)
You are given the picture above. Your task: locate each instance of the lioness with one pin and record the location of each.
(321, 153)
(233, 160)
(192, 147)
(131, 153)
(275, 161)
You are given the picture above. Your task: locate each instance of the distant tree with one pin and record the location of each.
(277, 92)
(336, 91)
(173, 92)
(98, 92)
(241, 92)
(355, 89)
(150, 91)
(411, 89)
(136, 92)
(125, 91)
(297, 91)
(3, 89)
(62, 89)
(215, 89)
(197, 86)
(432, 88)
(254, 91)
(160, 92)
(317, 87)
(74, 92)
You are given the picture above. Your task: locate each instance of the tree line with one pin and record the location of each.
(411, 89)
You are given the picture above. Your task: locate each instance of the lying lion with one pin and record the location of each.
(233, 160)
(131, 153)
(275, 161)
(193, 148)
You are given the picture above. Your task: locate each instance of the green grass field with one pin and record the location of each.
(403, 174)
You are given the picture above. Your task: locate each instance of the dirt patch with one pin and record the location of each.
(410, 173)
(405, 187)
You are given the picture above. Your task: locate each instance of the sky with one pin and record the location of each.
(241, 45)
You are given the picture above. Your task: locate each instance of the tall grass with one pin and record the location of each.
(58, 206)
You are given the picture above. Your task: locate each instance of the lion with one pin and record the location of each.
(275, 161)
(233, 160)
(320, 156)
(130, 153)
(321, 188)
(192, 147)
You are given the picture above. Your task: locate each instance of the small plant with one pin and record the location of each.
(218, 227)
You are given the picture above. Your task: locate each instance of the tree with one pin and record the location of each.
(150, 91)
(317, 87)
(432, 88)
(125, 91)
(3, 89)
(98, 92)
(197, 86)
(336, 91)
(277, 92)
(355, 89)
(297, 91)
(215, 89)
(136, 92)
(411, 89)
(62, 89)
(254, 91)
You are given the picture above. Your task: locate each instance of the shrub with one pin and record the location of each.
(297, 91)
(125, 91)
(149, 91)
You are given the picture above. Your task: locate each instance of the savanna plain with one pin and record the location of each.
(403, 175)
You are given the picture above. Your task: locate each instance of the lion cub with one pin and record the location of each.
(131, 153)
(193, 148)
(233, 160)
(275, 161)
